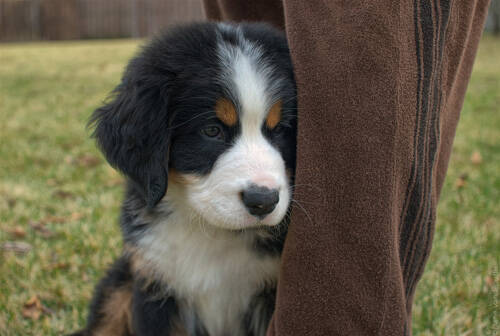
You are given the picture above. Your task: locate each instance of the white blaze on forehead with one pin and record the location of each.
(247, 77)
(250, 84)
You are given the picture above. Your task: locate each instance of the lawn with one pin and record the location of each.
(59, 200)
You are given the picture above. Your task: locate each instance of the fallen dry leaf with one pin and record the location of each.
(40, 228)
(11, 202)
(17, 232)
(17, 247)
(58, 266)
(47, 310)
(32, 309)
(476, 158)
(61, 194)
(489, 281)
(68, 159)
(54, 219)
(88, 161)
(76, 216)
(461, 181)
(52, 182)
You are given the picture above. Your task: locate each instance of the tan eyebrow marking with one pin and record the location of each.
(274, 115)
(226, 112)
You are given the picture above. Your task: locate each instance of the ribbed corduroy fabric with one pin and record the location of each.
(380, 88)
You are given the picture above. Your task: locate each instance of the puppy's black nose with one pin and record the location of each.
(259, 200)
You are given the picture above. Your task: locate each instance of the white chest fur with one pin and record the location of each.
(213, 270)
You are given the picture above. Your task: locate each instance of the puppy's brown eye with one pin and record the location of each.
(212, 132)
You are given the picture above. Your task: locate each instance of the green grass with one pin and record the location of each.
(51, 175)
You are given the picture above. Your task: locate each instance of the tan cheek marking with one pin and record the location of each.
(182, 179)
(274, 115)
(226, 112)
(140, 268)
(117, 315)
(138, 265)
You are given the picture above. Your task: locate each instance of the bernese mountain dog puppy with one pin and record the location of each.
(203, 126)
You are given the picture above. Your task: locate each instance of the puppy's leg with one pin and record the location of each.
(154, 312)
(110, 310)
(259, 313)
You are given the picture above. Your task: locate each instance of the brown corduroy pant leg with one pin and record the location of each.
(380, 88)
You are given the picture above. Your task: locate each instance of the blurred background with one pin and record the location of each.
(59, 199)
(32, 20)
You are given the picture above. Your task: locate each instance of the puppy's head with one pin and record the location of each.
(208, 110)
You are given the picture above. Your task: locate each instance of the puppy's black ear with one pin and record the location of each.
(132, 130)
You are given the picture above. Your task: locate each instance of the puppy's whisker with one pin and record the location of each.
(308, 202)
(303, 210)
